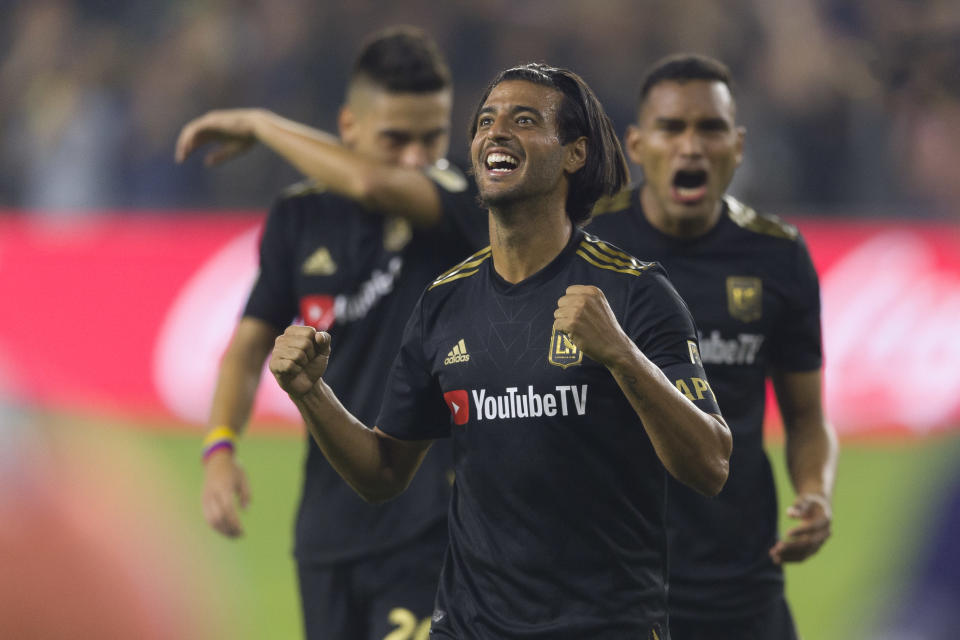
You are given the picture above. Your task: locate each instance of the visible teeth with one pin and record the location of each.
(498, 158)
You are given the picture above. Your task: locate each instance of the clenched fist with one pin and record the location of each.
(300, 359)
(585, 316)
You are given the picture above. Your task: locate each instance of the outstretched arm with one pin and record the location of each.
(811, 449)
(694, 446)
(377, 466)
(317, 154)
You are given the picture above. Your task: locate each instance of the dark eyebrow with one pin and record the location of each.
(519, 108)
(404, 133)
(514, 110)
(714, 122)
(439, 131)
(662, 120)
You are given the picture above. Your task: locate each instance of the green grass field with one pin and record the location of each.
(246, 588)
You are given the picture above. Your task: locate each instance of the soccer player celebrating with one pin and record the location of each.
(752, 289)
(555, 362)
(344, 258)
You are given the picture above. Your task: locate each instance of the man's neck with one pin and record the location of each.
(680, 227)
(525, 241)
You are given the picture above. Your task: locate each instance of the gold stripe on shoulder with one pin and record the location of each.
(302, 188)
(478, 257)
(607, 265)
(607, 252)
(463, 269)
(616, 202)
(612, 251)
(628, 263)
(448, 176)
(451, 278)
(765, 223)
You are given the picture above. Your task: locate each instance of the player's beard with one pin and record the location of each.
(511, 202)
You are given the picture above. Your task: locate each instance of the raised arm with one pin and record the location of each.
(693, 445)
(377, 466)
(811, 450)
(389, 189)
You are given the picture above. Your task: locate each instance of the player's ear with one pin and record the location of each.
(741, 133)
(346, 124)
(634, 144)
(576, 155)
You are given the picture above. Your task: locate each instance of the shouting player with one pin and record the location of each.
(752, 289)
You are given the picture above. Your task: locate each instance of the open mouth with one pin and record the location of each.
(689, 185)
(500, 163)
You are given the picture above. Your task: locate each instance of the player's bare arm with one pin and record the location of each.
(395, 190)
(225, 483)
(377, 466)
(811, 449)
(694, 446)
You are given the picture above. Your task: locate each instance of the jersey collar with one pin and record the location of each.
(542, 276)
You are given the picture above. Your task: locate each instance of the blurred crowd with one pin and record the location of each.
(852, 106)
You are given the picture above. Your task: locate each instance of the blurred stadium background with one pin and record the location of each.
(121, 275)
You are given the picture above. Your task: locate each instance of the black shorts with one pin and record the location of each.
(388, 596)
(773, 623)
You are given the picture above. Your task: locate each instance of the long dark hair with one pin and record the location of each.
(580, 114)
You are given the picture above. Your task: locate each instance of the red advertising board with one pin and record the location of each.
(891, 313)
(130, 315)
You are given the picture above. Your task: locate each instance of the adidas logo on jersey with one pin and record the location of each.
(457, 354)
(320, 263)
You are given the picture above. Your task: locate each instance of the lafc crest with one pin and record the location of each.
(745, 297)
(396, 234)
(563, 353)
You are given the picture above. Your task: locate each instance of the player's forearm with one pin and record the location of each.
(811, 444)
(379, 187)
(812, 451)
(359, 454)
(236, 387)
(315, 153)
(693, 445)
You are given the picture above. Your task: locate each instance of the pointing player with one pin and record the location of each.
(566, 419)
(752, 289)
(343, 257)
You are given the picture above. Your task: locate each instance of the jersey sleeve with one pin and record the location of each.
(413, 406)
(796, 342)
(272, 298)
(462, 213)
(661, 326)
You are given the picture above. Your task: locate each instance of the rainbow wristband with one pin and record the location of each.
(219, 438)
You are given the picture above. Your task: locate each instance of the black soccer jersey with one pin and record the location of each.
(753, 292)
(358, 274)
(556, 521)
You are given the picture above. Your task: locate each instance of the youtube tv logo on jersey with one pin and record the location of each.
(459, 405)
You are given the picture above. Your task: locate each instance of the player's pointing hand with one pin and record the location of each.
(585, 316)
(300, 359)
